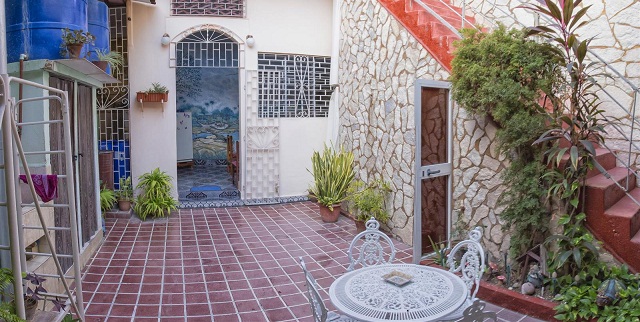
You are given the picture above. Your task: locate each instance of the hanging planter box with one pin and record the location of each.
(152, 97)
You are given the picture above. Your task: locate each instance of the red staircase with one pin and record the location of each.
(430, 32)
(612, 216)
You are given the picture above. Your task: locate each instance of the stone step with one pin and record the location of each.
(603, 192)
(627, 211)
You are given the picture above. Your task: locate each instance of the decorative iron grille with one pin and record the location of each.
(220, 8)
(207, 48)
(113, 102)
(293, 85)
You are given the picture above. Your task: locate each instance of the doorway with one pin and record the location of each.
(432, 216)
(208, 118)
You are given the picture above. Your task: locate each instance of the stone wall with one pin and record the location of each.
(379, 65)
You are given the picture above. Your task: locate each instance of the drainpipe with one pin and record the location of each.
(333, 119)
(23, 57)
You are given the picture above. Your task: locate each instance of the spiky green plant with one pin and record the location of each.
(332, 173)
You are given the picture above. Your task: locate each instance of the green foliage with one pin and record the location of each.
(332, 173)
(114, 58)
(157, 88)
(126, 189)
(440, 252)
(577, 122)
(525, 210)
(368, 200)
(576, 246)
(107, 199)
(502, 74)
(578, 300)
(155, 198)
(76, 36)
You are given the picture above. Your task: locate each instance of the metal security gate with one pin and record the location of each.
(263, 147)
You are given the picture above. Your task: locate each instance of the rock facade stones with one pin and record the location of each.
(379, 65)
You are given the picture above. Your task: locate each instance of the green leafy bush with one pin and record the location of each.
(368, 200)
(107, 199)
(578, 299)
(503, 75)
(155, 198)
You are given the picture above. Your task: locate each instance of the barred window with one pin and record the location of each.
(293, 85)
(219, 8)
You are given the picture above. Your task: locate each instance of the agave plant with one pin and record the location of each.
(332, 173)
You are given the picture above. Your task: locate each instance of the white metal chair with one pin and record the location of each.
(320, 313)
(467, 258)
(367, 247)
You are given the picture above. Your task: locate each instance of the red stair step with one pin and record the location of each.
(603, 193)
(627, 210)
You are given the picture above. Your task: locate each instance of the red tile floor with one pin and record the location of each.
(227, 264)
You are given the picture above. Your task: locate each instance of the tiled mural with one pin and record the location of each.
(212, 97)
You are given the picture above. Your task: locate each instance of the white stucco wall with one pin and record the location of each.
(283, 26)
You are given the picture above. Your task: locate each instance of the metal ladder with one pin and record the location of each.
(12, 147)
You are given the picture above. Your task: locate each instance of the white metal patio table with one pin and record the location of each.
(431, 295)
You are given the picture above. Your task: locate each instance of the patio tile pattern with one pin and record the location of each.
(227, 264)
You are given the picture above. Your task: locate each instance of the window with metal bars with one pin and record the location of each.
(292, 85)
(207, 48)
(219, 8)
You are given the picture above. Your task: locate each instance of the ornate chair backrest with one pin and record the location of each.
(317, 306)
(367, 248)
(467, 258)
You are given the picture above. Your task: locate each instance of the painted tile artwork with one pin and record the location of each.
(212, 97)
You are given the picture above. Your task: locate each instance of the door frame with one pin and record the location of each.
(419, 172)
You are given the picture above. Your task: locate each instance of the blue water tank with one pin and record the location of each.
(98, 23)
(34, 27)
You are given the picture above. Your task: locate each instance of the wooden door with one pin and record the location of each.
(58, 166)
(85, 157)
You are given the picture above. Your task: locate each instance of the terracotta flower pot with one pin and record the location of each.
(152, 97)
(74, 50)
(30, 306)
(124, 205)
(360, 226)
(101, 64)
(328, 215)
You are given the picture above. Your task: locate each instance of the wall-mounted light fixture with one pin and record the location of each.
(250, 41)
(165, 40)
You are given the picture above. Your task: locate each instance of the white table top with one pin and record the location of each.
(431, 295)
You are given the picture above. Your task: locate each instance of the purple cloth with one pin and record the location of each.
(46, 185)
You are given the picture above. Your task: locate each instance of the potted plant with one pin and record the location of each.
(73, 41)
(125, 194)
(106, 58)
(155, 195)
(107, 199)
(332, 173)
(156, 93)
(368, 200)
(33, 284)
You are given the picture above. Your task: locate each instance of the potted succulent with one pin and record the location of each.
(156, 93)
(109, 58)
(73, 41)
(332, 173)
(155, 198)
(368, 200)
(125, 194)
